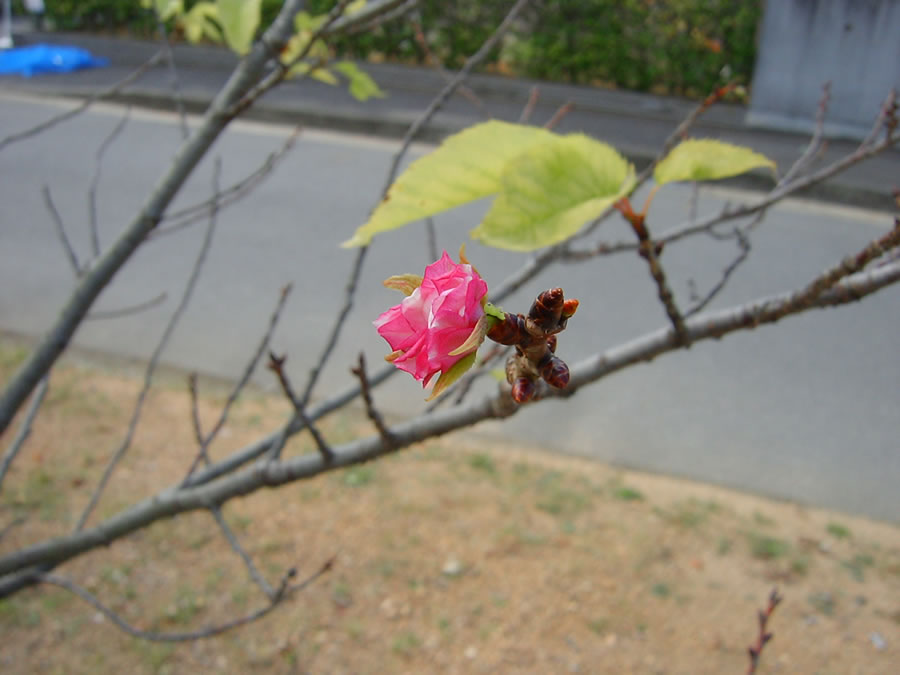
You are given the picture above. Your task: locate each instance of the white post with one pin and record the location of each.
(6, 31)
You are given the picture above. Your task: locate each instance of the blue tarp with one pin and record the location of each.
(33, 59)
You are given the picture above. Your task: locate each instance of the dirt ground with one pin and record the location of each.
(455, 556)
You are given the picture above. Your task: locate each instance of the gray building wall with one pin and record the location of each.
(854, 44)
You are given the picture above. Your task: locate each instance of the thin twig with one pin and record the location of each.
(763, 616)
(356, 24)
(371, 410)
(276, 365)
(127, 311)
(85, 103)
(150, 370)
(744, 246)
(235, 544)
(815, 142)
(433, 60)
(61, 231)
(284, 590)
(195, 409)
(242, 382)
(25, 429)
(533, 95)
(189, 215)
(560, 113)
(95, 179)
(173, 76)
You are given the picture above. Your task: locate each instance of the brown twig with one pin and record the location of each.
(815, 142)
(276, 365)
(744, 246)
(533, 95)
(360, 371)
(755, 650)
(195, 409)
(560, 113)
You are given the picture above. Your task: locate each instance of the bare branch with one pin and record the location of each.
(560, 113)
(815, 142)
(744, 246)
(150, 370)
(25, 429)
(127, 311)
(371, 411)
(175, 81)
(195, 410)
(61, 231)
(276, 364)
(85, 104)
(248, 71)
(283, 592)
(197, 212)
(254, 572)
(373, 15)
(95, 179)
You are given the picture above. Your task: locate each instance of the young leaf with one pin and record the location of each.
(708, 159)
(405, 283)
(362, 87)
(457, 370)
(466, 167)
(200, 23)
(239, 19)
(476, 337)
(551, 190)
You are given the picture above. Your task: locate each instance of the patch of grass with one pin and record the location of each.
(358, 476)
(800, 565)
(598, 626)
(689, 514)
(822, 602)
(857, 565)
(562, 501)
(154, 654)
(444, 624)
(838, 531)
(628, 494)
(482, 462)
(356, 630)
(11, 357)
(406, 643)
(762, 519)
(724, 545)
(765, 547)
(17, 614)
(661, 590)
(340, 594)
(186, 606)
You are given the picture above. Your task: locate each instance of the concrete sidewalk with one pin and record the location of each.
(636, 123)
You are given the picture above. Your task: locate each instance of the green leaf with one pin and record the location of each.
(494, 311)
(199, 23)
(362, 87)
(165, 9)
(239, 19)
(457, 370)
(304, 21)
(708, 159)
(466, 167)
(551, 190)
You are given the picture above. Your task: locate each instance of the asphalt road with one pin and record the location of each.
(805, 410)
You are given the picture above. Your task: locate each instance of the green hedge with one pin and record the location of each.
(683, 47)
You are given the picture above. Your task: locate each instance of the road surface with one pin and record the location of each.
(805, 410)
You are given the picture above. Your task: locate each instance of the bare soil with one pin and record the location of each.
(455, 556)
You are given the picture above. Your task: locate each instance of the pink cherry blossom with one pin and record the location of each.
(434, 319)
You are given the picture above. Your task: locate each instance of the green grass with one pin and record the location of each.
(838, 531)
(483, 462)
(765, 547)
(628, 494)
(358, 476)
(858, 564)
(661, 590)
(406, 643)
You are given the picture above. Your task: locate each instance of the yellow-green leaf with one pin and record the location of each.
(708, 159)
(165, 9)
(476, 337)
(448, 377)
(304, 21)
(494, 311)
(239, 19)
(466, 167)
(199, 23)
(362, 87)
(405, 283)
(551, 190)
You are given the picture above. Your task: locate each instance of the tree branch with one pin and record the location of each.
(25, 429)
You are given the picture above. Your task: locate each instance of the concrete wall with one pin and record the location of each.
(854, 44)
